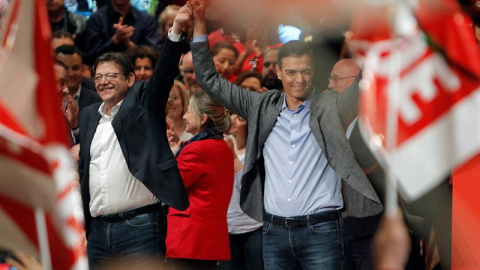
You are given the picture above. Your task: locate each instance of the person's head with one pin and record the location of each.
(204, 113)
(188, 73)
(269, 71)
(250, 80)
(60, 38)
(224, 56)
(165, 19)
(343, 74)
(3, 12)
(295, 69)
(60, 75)
(177, 101)
(238, 126)
(121, 6)
(71, 57)
(113, 76)
(143, 59)
(55, 5)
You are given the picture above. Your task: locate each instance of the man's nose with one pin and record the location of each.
(331, 84)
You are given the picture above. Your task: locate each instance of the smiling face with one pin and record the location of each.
(192, 121)
(175, 108)
(112, 90)
(296, 75)
(224, 61)
(73, 68)
(143, 68)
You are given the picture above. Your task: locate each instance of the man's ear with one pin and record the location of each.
(279, 73)
(130, 79)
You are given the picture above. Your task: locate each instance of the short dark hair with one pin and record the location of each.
(248, 74)
(293, 48)
(62, 34)
(119, 59)
(223, 45)
(68, 49)
(142, 51)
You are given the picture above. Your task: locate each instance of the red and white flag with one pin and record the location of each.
(420, 95)
(36, 168)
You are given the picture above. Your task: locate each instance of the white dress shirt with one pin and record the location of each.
(113, 189)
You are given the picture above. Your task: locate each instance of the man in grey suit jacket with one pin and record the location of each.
(297, 154)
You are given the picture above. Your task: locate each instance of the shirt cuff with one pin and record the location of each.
(198, 39)
(175, 37)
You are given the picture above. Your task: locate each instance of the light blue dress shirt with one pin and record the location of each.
(299, 181)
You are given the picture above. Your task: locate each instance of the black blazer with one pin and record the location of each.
(87, 97)
(140, 127)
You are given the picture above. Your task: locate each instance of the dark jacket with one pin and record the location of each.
(140, 127)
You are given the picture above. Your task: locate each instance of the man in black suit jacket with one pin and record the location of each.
(127, 169)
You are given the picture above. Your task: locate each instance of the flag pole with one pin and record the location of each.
(403, 24)
(43, 238)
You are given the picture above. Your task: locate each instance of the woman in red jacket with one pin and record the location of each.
(198, 237)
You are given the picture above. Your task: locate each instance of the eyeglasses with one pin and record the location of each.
(268, 64)
(337, 78)
(109, 76)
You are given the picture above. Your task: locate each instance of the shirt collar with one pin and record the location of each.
(76, 96)
(114, 111)
(305, 104)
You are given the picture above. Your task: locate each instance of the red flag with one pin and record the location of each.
(420, 95)
(35, 164)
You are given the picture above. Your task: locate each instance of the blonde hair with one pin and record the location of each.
(218, 117)
(170, 11)
(183, 95)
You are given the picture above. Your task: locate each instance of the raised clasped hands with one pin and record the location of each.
(123, 33)
(183, 17)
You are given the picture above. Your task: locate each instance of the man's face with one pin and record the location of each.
(296, 76)
(143, 68)
(73, 68)
(269, 71)
(343, 75)
(55, 5)
(189, 74)
(111, 84)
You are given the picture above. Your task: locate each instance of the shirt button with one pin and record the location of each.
(290, 162)
(288, 199)
(290, 181)
(293, 145)
(293, 131)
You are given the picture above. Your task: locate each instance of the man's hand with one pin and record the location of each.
(123, 33)
(183, 17)
(72, 112)
(198, 8)
(24, 262)
(391, 245)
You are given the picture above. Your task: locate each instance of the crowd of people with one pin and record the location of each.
(219, 153)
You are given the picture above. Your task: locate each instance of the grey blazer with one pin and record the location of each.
(331, 113)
